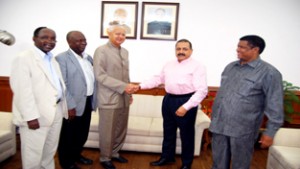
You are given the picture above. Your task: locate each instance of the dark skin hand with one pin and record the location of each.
(33, 124)
(72, 114)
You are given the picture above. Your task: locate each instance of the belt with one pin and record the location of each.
(58, 100)
(181, 95)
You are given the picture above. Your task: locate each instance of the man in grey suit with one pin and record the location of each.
(77, 70)
(111, 69)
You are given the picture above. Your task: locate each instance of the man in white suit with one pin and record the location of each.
(38, 103)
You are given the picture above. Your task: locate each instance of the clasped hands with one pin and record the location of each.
(132, 88)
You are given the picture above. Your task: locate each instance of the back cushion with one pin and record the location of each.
(146, 105)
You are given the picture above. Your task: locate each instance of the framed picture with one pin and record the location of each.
(159, 21)
(123, 13)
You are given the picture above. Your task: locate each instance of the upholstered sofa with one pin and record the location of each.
(145, 131)
(285, 151)
(7, 136)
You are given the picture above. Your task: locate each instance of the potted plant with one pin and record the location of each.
(290, 98)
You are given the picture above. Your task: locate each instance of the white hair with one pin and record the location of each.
(113, 26)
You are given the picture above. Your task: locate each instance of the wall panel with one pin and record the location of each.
(5, 95)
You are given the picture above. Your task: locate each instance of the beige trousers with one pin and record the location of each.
(112, 132)
(38, 147)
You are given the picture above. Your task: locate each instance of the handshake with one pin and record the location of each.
(132, 88)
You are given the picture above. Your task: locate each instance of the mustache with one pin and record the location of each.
(180, 54)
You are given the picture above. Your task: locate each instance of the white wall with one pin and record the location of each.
(213, 26)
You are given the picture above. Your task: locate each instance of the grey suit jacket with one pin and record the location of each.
(75, 82)
(111, 69)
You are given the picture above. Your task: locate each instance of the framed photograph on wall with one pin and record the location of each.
(159, 21)
(122, 12)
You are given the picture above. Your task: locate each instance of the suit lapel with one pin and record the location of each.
(43, 66)
(77, 64)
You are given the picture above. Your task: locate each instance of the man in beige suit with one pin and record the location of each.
(38, 103)
(111, 69)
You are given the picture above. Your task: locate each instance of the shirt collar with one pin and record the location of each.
(112, 45)
(185, 60)
(253, 63)
(84, 55)
(43, 54)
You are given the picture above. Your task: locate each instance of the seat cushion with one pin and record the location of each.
(287, 156)
(156, 128)
(139, 125)
(5, 135)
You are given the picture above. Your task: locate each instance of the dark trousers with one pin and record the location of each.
(73, 136)
(186, 125)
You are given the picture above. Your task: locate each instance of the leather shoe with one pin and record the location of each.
(161, 161)
(86, 161)
(120, 159)
(185, 167)
(108, 165)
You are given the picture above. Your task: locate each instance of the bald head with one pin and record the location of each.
(76, 41)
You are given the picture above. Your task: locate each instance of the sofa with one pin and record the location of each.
(7, 136)
(145, 127)
(285, 151)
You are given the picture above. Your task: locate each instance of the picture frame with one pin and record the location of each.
(122, 12)
(159, 21)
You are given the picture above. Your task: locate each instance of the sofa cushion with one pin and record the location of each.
(139, 125)
(5, 135)
(287, 156)
(136, 125)
(156, 128)
(146, 105)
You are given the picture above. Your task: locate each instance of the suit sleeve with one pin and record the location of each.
(273, 103)
(21, 84)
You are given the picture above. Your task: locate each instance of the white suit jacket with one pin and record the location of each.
(35, 95)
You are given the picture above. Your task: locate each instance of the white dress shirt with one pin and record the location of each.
(87, 69)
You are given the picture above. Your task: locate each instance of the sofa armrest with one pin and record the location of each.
(202, 123)
(203, 120)
(6, 124)
(6, 121)
(287, 137)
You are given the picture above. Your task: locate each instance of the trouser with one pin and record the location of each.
(235, 150)
(186, 125)
(74, 134)
(112, 131)
(39, 146)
